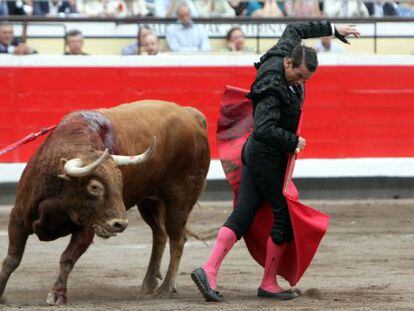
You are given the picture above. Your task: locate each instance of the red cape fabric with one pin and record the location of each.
(309, 225)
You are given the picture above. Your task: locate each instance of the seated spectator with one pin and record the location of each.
(253, 7)
(235, 41)
(214, 8)
(103, 8)
(4, 9)
(349, 8)
(74, 43)
(239, 7)
(246, 7)
(327, 45)
(168, 8)
(151, 45)
(134, 48)
(20, 7)
(136, 8)
(54, 7)
(40, 8)
(381, 8)
(406, 9)
(150, 5)
(11, 45)
(270, 9)
(302, 8)
(185, 36)
(69, 7)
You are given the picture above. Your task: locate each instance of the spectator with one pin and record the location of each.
(168, 8)
(239, 7)
(326, 45)
(136, 8)
(20, 7)
(349, 8)
(40, 8)
(235, 41)
(11, 45)
(103, 8)
(406, 9)
(4, 9)
(151, 45)
(253, 8)
(150, 5)
(71, 8)
(214, 8)
(380, 8)
(74, 43)
(185, 36)
(302, 8)
(53, 7)
(270, 9)
(134, 48)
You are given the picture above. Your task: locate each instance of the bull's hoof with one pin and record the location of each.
(55, 298)
(165, 292)
(149, 287)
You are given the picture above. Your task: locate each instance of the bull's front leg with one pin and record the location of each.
(78, 244)
(17, 242)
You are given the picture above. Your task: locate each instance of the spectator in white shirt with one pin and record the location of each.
(214, 8)
(168, 8)
(185, 36)
(345, 8)
(327, 45)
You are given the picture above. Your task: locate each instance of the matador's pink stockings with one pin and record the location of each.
(274, 253)
(224, 242)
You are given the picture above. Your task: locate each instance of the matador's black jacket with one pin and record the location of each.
(276, 114)
(276, 106)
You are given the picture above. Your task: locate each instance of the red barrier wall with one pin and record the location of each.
(350, 111)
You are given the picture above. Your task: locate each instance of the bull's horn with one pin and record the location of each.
(75, 168)
(130, 160)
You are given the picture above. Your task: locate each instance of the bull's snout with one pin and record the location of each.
(117, 225)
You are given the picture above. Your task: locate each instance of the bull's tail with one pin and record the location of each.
(199, 116)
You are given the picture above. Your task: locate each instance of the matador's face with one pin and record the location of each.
(297, 75)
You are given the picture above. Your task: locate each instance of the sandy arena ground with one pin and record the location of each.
(365, 262)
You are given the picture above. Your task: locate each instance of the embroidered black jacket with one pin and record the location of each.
(276, 105)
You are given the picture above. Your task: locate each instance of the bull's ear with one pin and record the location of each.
(62, 165)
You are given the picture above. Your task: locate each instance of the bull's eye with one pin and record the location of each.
(95, 188)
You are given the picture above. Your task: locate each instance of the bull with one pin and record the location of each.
(87, 173)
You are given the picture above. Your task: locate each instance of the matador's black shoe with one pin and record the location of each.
(286, 295)
(200, 279)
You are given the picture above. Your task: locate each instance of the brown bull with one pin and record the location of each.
(72, 186)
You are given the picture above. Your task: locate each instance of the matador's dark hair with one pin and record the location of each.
(304, 54)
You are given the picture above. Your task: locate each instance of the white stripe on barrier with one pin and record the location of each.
(191, 60)
(307, 168)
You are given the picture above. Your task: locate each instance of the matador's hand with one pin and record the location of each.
(341, 32)
(301, 144)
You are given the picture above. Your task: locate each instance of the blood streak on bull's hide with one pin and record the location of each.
(101, 125)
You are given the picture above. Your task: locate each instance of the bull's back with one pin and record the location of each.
(156, 113)
(143, 119)
(182, 144)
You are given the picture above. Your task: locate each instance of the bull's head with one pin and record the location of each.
(95, 190)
